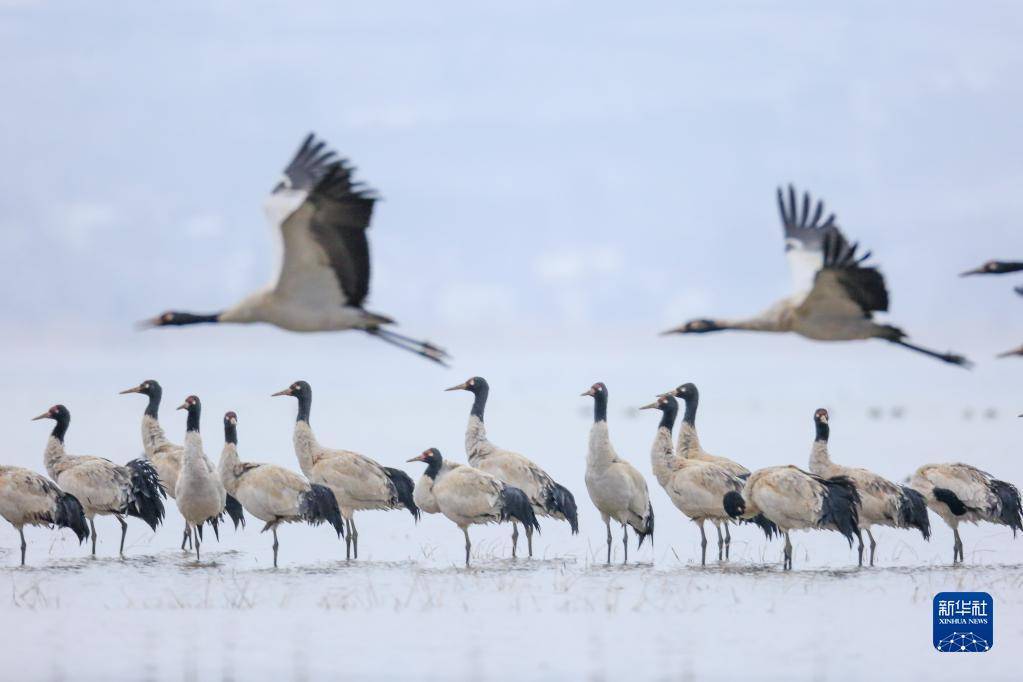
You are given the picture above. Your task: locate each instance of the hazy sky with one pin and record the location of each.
(555, 175)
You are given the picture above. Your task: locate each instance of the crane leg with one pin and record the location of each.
(197, 543)
(529, 540)
(703, 545)
(355, 538)
(276, 545)
(625, 542)
(186, 536)
(859, 547)
(468, 546)
(787, 565)
(608, 522)
(124, 531)
(92, 528)
(348, 540)
(21, 532)
(728, 541)
(873, 546)
(957, 548)
(721, 540)
(515, 539)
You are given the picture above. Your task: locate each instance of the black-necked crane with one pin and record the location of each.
(102, 487)
(960, 492)
(997, 267)
(322, 215)
(199, 491)
(794, 499)
(689, 447)
(697, 488)
(273, 494)
(617, 489)
(548, 497)
(30, 499)
(836, 293)
(357, 481)
(166, 456)
(882, 503)
(469, 496)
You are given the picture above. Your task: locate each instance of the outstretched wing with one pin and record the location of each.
(806, 229)
(844, 286)
(326, 252)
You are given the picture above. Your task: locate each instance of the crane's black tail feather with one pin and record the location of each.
(146, 492)
(560, 501)
(69, 514)
(516, 506)
(234, 509)
(319, 505)
(913, 512)
(955, 505)
(405, 488)
(1009, 511)
(765, 524)
(840, 506)
(645, 528)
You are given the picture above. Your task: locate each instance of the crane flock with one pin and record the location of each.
(494, 485)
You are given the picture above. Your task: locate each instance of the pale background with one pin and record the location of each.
(561, 182)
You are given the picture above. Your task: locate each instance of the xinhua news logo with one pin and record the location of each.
(964, 622)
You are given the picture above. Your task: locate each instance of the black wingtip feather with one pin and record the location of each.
(405, 489)
(146, 492)
(733, 503)
(318, 505)
(516, 506)
(560, 501)
(645, 528)
(69, 514)
(1009, 508)
(840, 506)
(955, 505)
(913, 512)
(765, 524)
(234, 510)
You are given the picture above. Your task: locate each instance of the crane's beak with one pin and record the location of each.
(137, 389)
(674, 330)
(286, 391)
(44, 415)
(183, 406)
(460, 387)
(976, 271)
(420, 458)
(651, 406)
(587, 393)
(1010, 353)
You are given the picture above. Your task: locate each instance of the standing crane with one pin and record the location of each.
(836, 294)
(882, 503)
(469, 496)
(696, 488)
(165, 456)
(272, 493)
(199, 492)
(548, 497)
(961, 492)
(101, 486)
(29, 499)
(357, 481)
(617, 489)
(323, 282)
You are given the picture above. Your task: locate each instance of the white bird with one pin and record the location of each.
(357, 481)
(794, 499)
(166, 456)
(199, 491)
(29, 499)
(697, 488)
(272, 493)
(324, 277)
(468, 496)
(101, 486)
(835, 294)
(617, 489)
(882, 503)
(548, 497)
(960, 492)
